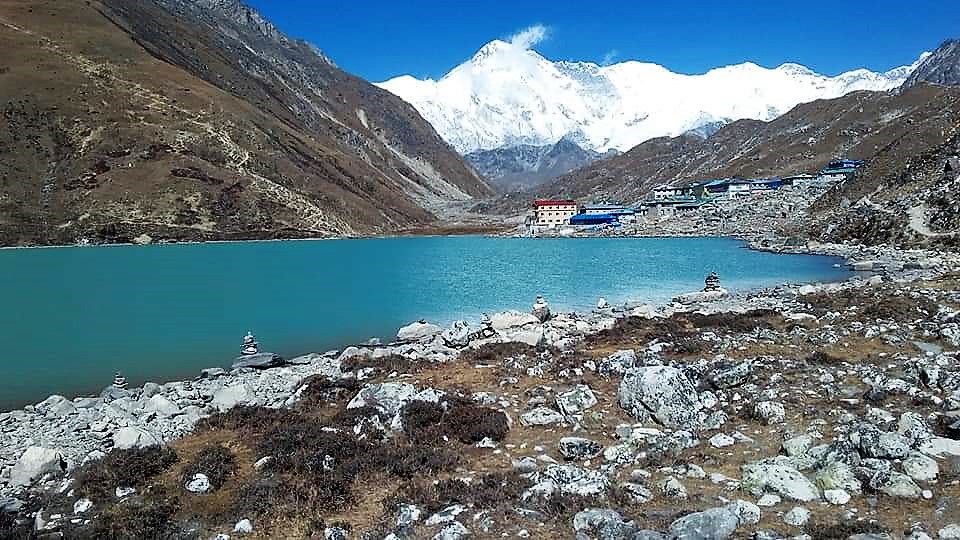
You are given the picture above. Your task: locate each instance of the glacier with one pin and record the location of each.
(507, 94)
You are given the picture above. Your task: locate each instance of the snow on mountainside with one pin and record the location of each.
(508, 94)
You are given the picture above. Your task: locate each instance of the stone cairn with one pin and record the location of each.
(540, 309)
(119, 381)
(712, 283)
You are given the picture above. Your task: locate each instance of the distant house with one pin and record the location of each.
(663, 192)
(766, 184)
(840, 170)
(601, 208)
(553, 213)
(594, 219)
(624, 214)
(739, 188)
(802, 179)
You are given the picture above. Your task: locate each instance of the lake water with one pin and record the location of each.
(71, 317)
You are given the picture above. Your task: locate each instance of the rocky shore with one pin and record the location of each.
(801, 411)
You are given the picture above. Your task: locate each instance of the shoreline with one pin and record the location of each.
(580, 308)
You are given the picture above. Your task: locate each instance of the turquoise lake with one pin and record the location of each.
(71, 317)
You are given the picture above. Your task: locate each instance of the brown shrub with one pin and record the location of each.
(133, 519)
(842, 530)
(320, 390)
(99, 479)
(247, 420)
(471, 423)
(216, 461)
(428, 423)
(495, 353)
(821, 358)
(734, 322)
(489, 491)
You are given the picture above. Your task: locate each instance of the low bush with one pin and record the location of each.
(495, 353)
(428, 423)
(487, 492)
(822, 358)
(216, 461)
(471, 423)
(135, 519)
(321, 390)
(843, 529)
(99, 479)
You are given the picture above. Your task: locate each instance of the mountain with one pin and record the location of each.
(521, 167)
(892, 131)
(198, 119)
(508, 95)
(940, 67)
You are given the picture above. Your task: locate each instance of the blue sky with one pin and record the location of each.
(379, 39)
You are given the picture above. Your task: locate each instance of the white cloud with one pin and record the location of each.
(609, 57)
(528, 37)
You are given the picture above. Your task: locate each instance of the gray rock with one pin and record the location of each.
(229, 397)
(541, 416)
(573, 480)
(150, 389)
(780, 478)
(895, 484)
(920, 467)
(511, 319)
(389, 398)
(618, 363)
(728, 376)
(407, 515)
(264, 360)
(769, 412)
(212, 373)
(134, 437)
(160, 405)
(35, 462)
(577, 400)
(452, 531)
(798, 516)
(713, 524)
(662, 390)
(244, 526)
(579, 448)
(874, 443)
(418, 331)
(458, 335)
(637, 493)
(604, 523)
(198, 483)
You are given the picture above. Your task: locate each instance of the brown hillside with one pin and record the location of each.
(199, 120)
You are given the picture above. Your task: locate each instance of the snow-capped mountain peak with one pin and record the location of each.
(507, 94)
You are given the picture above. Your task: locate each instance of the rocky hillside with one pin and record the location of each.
(521, 167)
(941, 67)
(887, 129)
(194, 120)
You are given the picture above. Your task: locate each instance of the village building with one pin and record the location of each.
(800, 180)
(624, 214)
(840, 170)
(766, 184)
(553, 213)
(664, 192)
(594, 219)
